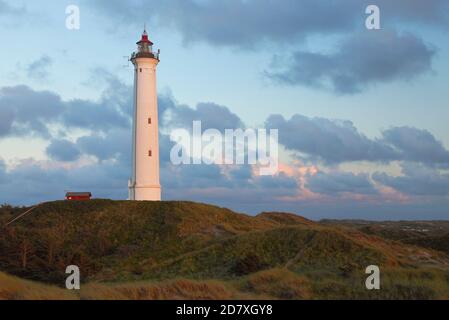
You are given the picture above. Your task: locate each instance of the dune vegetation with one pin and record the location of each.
(186, 250)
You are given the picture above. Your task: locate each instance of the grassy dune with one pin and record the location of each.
(185, 250)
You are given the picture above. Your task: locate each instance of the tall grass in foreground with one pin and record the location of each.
(12, 288)
(279, 283)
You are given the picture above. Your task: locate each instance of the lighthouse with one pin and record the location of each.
(144, 183)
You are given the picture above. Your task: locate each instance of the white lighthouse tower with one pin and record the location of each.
(144, 183)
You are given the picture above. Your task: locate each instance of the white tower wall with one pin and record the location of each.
(144, 183)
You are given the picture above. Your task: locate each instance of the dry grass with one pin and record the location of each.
(278, 284)
(173, 290)
(12, 288)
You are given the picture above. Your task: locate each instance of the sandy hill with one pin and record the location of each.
(192, 250)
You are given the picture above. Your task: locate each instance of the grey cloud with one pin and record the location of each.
(330, 140)
(362, 60)
(241, 173)
(38, 69)
(116, 144)
(2, 171)
(336, 141)
(25, 111)
(417, 145)
(116, 94)
(165, 102)
(192, 176)
(335, 183)
(430, 13)
(117, 140)
(234, 22)
(6, 119)
(211, 115)
(165, 145)
(416, 179)
(63, 150)
(279, 181)
(28, 183)
(7, 9)
(247, 24)
(93, 115)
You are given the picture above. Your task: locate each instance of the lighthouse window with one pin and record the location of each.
(149, 120)
(140, 69)
(149, 153)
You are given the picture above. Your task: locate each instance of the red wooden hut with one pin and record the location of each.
(78, 195)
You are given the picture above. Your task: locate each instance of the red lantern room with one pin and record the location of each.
(145, 48)
(145, 45)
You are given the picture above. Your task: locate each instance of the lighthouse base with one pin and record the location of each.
(145, 193)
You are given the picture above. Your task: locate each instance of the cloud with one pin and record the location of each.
(115, 144)
(38, 69)
(335, 183)
(416, 179)
(226, 185)
(234, 23)
(248, 23)
(415, 11)
(338, 141)
(2, 171)
(7, 9)
(192, 176)
(31, 182)
(116, 94)
(210, 114)
(25, 111)
(418, 145)
(362, 60)
(333, 141)
(280, 180)
(241, 174)
(63, 150)
(92, 115)
(6, 119)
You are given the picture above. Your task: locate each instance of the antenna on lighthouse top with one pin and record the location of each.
(127, 60)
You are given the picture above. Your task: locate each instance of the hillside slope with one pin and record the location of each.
(272, 254)
(427, 234)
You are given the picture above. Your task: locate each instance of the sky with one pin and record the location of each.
(362, 114)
